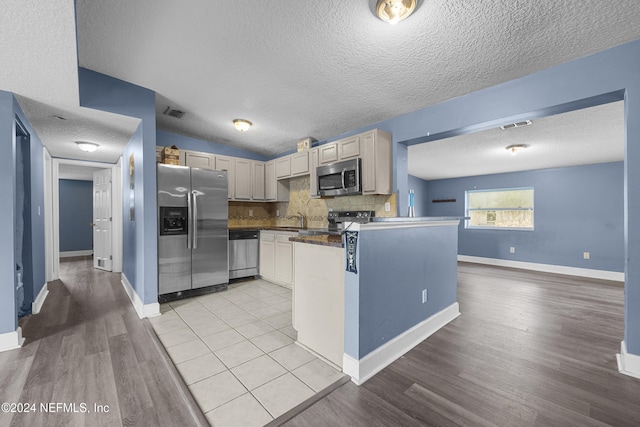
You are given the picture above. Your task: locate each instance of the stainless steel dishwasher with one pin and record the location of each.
(243, 253)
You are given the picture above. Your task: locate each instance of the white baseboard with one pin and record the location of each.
(143, 310)
(546, 268)
(11, 340)
(69, 254)
(628, 364)
(363, 369)
(36, 306)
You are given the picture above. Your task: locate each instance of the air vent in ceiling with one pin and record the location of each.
(170, 111)
(515, 125)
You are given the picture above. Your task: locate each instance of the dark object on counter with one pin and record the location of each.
(337, 218)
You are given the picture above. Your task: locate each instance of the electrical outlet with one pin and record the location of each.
(387, 207)
(424, 296)
(586, 255)
(250, 212)
(277, 212)
(512, 250)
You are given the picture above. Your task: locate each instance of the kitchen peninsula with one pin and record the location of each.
(363, 299)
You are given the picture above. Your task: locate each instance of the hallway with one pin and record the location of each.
(89, 360)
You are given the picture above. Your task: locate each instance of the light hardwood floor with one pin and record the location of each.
(530, 349)
(88, 346)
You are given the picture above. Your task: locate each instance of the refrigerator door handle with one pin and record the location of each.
(189, 221)
(195, 221)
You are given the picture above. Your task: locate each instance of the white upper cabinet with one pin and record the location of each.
(227, 164)
(270, 181)
(258, 185)
(349, 147)
(313, 178)
(328, 153)
(243, 181)
(283, 167)
(375, 147)
(300, 163)
(196, 159)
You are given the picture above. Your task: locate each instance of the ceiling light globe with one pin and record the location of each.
(394, 11)
(242, 125)
(89, 147)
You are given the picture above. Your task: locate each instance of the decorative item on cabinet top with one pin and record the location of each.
(305, 144)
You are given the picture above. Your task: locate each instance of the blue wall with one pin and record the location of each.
(383, 299)
(167, 139)
(140, 251)
(610, 75)
(76, 215)
(577, 209)
(420, 198)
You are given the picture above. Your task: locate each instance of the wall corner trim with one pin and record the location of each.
(546, 268)
(36, 306)
(628, 364)
(143, 310)
(11, 340)
(365, 368)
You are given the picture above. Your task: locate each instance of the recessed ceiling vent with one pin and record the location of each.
(173, 112)
(515, 125)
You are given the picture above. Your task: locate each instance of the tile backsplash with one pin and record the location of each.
(315, 210)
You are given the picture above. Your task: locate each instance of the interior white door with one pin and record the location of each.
(102, 256)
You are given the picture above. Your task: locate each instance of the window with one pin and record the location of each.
(509, 208)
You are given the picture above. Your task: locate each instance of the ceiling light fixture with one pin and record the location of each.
(394, 11)
(242, 125)
(516, 147)
(89, 147)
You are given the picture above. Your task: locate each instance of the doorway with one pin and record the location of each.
(63, 169)
(22, 229)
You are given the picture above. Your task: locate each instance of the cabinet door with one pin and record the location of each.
(270, 182)
(283, 167)
(267, 255)
(199, 160)
(328, 153)
(258, 181)
(349, 147)
(313, 177)
(300, 163)
(243, 179)
(227, 164)
(284, 259)
(368, 162)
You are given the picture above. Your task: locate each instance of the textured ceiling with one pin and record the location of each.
(295, 68)
(591, 135)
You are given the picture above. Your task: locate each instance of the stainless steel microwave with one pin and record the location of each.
(340, 179)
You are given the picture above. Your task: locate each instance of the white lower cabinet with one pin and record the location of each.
(276, 257)
(267, 255)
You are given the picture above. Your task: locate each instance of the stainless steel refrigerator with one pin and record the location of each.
(193, 243)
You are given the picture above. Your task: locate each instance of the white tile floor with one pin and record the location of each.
(236, 352)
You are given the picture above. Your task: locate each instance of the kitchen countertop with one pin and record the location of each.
(320, 239)
(417, 218)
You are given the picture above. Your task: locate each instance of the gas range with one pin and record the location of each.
(337, 218)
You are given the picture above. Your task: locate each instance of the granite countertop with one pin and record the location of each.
(320, 239)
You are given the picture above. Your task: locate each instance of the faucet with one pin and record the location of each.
(301, 218)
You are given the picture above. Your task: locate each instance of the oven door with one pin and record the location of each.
(340, 179)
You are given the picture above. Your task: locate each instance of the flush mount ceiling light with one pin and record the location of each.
(516, 147)
(394, 11)
(242, 125)
(89, 147)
